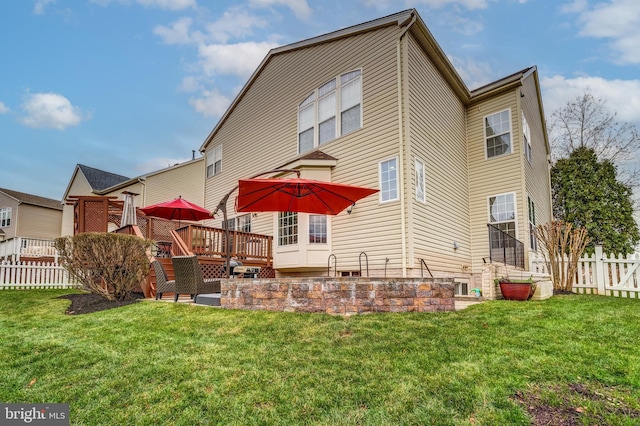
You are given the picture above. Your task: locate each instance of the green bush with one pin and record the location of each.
(108, 264)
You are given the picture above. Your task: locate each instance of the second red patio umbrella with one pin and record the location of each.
(178, 209)
(297, 195)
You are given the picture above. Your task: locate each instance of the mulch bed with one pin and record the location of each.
(86, 303)
(570, 404)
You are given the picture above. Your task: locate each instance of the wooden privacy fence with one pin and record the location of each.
(608, 275)
(34, 275)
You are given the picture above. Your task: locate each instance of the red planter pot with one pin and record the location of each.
(516, 291)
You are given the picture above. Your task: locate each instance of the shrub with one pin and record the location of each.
(108, 264)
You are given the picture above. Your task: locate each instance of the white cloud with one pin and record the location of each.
(158, 163)
(38, 8)
(236, 23)
(3, 108)
(177, 33)
(300, 8)
(622, 96)
(475, 74)
(239, 59)
(617, 21)
(468, 4)
(211, 104)
(50, 110)
(161, 4)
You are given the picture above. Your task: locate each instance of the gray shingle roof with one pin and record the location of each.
(34, 200)
(99, 179)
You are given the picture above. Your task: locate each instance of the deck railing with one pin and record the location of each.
(15, 248)
(505, 248)
(244, 246)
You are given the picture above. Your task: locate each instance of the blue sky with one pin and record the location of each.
(131, 86)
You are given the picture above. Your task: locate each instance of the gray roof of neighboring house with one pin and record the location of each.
(34, 200)
(99, 179)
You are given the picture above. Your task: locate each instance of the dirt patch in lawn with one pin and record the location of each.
(577, 404)
(86, 303)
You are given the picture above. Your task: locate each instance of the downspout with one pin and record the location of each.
(399, 70)
(143, 182)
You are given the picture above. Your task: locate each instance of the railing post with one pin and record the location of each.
(599, 267)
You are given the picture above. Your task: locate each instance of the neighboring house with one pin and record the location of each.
(183, 179)
(379, 105)
(28, 224)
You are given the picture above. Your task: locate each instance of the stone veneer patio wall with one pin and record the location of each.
(344, 295)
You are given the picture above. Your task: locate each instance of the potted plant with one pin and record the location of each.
(513, 289)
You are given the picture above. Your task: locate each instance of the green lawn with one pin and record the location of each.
(157, 363)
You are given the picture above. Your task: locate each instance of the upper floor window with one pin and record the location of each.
(526, 138)
(332, 109)
(420, 182)
(497, 133)
(389, 180)
(214, 161)
(287, 228)
(502, 213)
(5, 217)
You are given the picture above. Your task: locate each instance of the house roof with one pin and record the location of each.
(407, 20)
(400, 18)
(99, 179)
(34, 200)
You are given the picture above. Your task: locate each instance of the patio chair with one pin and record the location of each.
(163, 285)
(189, 278)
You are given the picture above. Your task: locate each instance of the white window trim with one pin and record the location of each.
(515, 210)
(211, 161)
(533, 240)
(338, 111)
(397, 179)
(484, 132)
(424, 181)
(526, 136)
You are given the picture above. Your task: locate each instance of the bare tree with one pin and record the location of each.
(586, 122)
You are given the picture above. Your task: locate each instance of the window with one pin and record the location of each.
(287, 228)
(317, 229)
(317, 114)
(5, 217)
(526, 138)
(502, 213)
(389, 180)
(214, 161)
(461, 287)
(497, 133)
(240, 223)
(533, 240)
(420, 183)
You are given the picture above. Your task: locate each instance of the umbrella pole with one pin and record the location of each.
(222, 205)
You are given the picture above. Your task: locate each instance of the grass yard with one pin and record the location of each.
(575, 359)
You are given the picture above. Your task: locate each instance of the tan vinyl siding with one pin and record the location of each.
(437, 138)
(38, 222)
(537, 172)
(261, 134)
(186, 180)
(9, 202)
(493, 176)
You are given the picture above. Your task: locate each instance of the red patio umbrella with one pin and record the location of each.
(297, 195)
(179, 209)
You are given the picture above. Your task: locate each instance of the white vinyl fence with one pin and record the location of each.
(34, 275)
(602, 274)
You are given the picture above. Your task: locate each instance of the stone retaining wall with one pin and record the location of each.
(348, 295)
